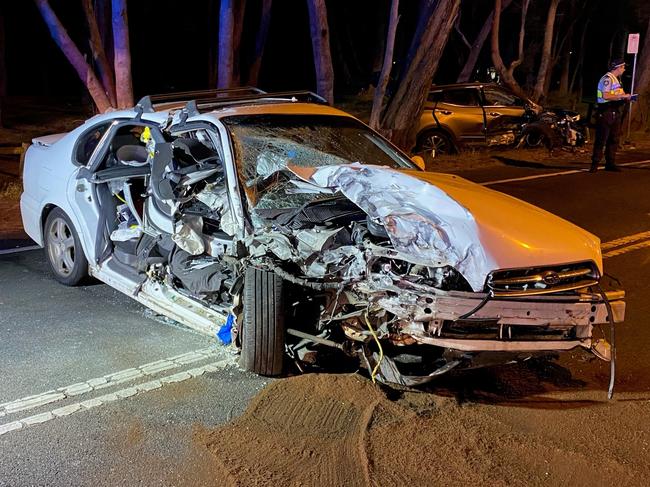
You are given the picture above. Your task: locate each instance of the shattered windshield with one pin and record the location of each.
(265, 144)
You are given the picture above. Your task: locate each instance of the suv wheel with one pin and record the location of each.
(263, 335)
(63, 250)
(539, 135)
(434, 143)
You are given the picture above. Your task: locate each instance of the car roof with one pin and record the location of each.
(461, 85)
(276, 108)
(221, 103)
(202, 105)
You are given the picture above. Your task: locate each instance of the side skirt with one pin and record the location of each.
(160, 299)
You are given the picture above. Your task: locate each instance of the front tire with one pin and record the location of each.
(263, 327)
(539, 135)
(63, 250)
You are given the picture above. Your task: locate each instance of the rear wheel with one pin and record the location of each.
(63, 250)
(263, 328)
(434, 143)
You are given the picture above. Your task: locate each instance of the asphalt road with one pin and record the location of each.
(52, 337)
(612, 206)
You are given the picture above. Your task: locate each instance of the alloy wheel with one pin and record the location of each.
(61, 247)
(436, 144)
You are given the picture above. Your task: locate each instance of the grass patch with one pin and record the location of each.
(10, 190)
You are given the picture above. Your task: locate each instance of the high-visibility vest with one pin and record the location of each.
(609, 84)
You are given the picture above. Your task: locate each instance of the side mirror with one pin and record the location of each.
(419, 162)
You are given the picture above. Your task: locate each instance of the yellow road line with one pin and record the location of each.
(629, 248)
(625, 240)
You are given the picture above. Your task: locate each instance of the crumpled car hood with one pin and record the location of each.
(515, 233)
(439, 220)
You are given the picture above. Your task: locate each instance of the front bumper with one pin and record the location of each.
(542, 323)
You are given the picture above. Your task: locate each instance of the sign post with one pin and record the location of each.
(632, 48)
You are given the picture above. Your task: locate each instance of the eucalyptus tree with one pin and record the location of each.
(109, 86)
(401, 112)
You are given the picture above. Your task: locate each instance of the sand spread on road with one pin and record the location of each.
(331, 430)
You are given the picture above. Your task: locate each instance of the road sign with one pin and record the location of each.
(632, 48)
(633, 43)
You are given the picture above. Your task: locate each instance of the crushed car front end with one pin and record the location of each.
(414, 273)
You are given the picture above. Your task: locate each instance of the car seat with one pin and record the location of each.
(132, 155)
(176, 166)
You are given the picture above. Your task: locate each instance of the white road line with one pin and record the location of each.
(109, 380)
(113, 396)
(629, 248)
(624, 240)
(561, 173)
(19, 249)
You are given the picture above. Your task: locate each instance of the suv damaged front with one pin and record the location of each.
(413, 273)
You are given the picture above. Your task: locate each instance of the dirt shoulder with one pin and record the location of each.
(26, 118)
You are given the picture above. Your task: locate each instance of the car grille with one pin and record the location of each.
(542, 280)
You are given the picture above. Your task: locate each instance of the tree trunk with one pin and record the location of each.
(213, 47)
(238, 15)
(544, 66)
(562, 45)
(226, 31)
(522, 32)
(641, 109)
(477, 46)
(379, 43)
(99, 55)
(74, 56)
(507, 74)
(378, 100)
(581, 56)
(260, 43)
(564, 75)
(320, 41)
(122, 55)
(340, 49)
(103, 15)
(403, 110)
(3, 66)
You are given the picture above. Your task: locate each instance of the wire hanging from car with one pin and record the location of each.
(483, 302)
(373, 373)
(612, 338)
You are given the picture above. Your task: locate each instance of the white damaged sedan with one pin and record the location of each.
(290, 227)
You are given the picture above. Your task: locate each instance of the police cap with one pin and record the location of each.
(616, 63)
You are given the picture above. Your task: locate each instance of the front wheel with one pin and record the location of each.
(539, 135)
(263, 328)
(63, 250)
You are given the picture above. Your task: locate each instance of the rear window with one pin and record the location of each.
(500, 97)
(87, 143)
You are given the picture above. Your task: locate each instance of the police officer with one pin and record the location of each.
(610, 98)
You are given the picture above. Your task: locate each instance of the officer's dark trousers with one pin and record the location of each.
(608, 128)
